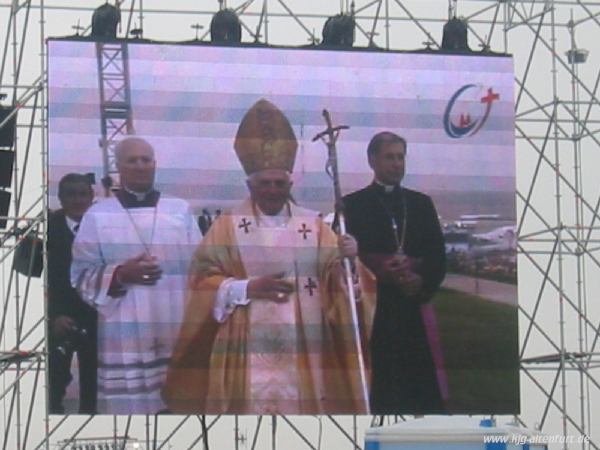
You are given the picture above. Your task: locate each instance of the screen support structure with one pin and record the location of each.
(558, 202)
(115, 105)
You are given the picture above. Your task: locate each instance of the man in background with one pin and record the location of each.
(130, 263)
(400, 240)
(72, 323)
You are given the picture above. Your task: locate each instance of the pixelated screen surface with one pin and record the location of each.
(214, 117)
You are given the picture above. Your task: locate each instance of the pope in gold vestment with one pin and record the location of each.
(292, 350)
(294, 357)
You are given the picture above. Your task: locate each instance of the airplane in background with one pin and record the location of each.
(476, 217)
(502, 238)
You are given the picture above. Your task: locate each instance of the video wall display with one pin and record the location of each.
(194, 259)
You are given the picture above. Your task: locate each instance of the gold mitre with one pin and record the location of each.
(265, 139)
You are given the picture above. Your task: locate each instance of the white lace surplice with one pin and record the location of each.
(136, 331)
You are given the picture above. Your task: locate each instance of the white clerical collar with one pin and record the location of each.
(278, 220)
(72, 224)
(386, 187)
(139, 196)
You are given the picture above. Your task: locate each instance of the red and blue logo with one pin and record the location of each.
(475, 103)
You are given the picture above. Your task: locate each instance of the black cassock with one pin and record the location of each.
(403, 372)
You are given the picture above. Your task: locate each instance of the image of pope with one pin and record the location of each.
(267, 326)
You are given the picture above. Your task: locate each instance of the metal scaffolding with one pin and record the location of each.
(558, 201)
(115, 104)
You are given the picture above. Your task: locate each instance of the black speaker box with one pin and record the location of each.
(7, 160)
(4, 205)
(7, 132)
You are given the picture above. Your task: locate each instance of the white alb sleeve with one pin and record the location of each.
(231, 293)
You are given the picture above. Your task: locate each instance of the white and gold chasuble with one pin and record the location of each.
(280, 333)
(264, 357)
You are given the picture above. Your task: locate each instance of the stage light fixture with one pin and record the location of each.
(338, 31)
(105, 20)
(577, 56)
(455, 36)
(225, 27)
(137, 33)
(7, 159)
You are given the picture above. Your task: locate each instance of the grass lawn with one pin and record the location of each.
(480, 345)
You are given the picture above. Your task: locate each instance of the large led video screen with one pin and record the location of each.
(195, 264)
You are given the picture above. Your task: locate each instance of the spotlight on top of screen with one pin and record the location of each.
(338, 31)
(225, 27)
(105, 20)
(455, 36)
